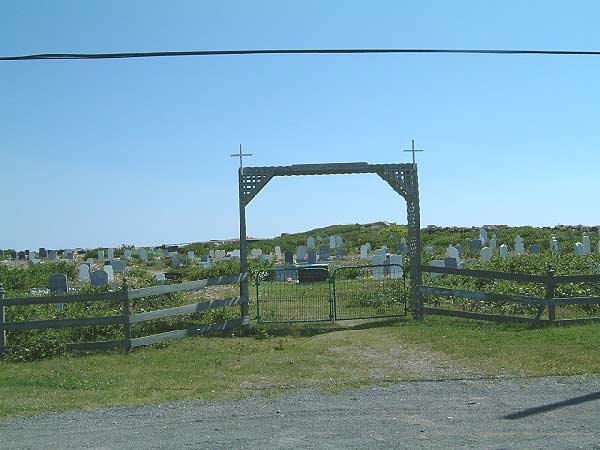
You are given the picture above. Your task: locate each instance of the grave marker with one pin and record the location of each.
(486, 254)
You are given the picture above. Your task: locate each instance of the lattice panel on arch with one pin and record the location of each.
(253, 180)
(401, 180)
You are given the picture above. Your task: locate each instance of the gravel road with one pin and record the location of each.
(543, 413)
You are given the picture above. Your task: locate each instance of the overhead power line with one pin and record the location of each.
(289, 52)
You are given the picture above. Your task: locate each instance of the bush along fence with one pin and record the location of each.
(119, 301)
(449, 301)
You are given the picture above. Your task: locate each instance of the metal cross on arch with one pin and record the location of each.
(401, 177)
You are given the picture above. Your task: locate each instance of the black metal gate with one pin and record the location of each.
(312, 294)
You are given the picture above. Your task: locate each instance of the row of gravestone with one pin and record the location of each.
(102, 277)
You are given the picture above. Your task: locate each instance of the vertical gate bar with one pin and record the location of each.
(3, 342)
(244, 288)
(333, 303)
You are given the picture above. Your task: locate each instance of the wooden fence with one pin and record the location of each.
(126, 319)
(550, 281)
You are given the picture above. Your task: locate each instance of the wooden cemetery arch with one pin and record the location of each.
(401, 177)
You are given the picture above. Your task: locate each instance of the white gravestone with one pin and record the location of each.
(310, 243)
(160, 277)
(452, 252)
(109, 272)
(554, 245)
(519, 246)
(127, 254)
(100, 255)
(84, 273)
(503, 251)
(339, 242)
(235, 253)
(256, 253)
(364, 252)
(579, 250)
(493, 242)
(486, 254)
(278, 250)
(111, 253)
(587, 245)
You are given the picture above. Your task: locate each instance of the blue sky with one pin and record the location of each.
(137, 151)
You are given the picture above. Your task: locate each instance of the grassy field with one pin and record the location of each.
(284, 357)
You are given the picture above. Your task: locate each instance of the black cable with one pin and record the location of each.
(288, 51)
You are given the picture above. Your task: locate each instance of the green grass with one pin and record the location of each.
(283, 357)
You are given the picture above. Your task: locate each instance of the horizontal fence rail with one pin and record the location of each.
(550, 281)
(127, 318)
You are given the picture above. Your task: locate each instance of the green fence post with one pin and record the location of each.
(126, 314)
(550, 288)
(3, 342)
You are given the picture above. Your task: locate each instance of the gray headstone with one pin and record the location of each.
(476, 246)
(451, 263)
(310, 242)
(52, 255)
(100, 255)
(177, 261)
(58, 283)
(289, 258)
(69, 255)
(534, 249)
(323, 253)
(340, 253)
(21, 256)
(486, 254)
(84, 272)
(109, 271)
(99, 278)
(42, 252)
(301, 253)
(312, 257)
(118, 266)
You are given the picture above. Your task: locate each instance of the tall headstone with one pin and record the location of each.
(483, 236)
(99, 278)
(84, 273)
(278, 251)
(100, 255)
(323, 253)
(109, 272)
(301, 253)
(503, 251)
(519, 246)
(312, 257)
(554, 245)
(339, 242)
(587, 245)
(332, 242)
(364, 252)
(43, 253)
(493, 242)
(52, 255)
(289, 258)
(191, 256)
(310, 243)
(579, 250)
(111, 254)
(396, 267)
(378, 270)
(486, 254)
